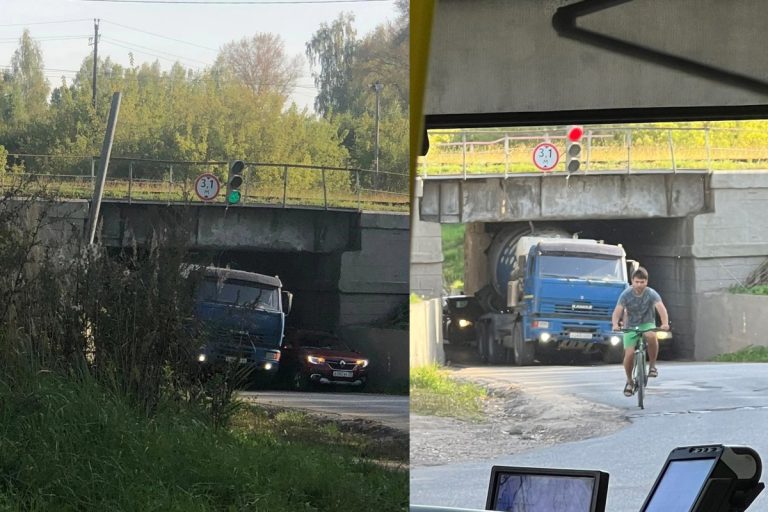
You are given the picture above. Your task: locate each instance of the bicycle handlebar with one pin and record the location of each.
(643, 331)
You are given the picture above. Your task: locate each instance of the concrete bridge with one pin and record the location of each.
(695, 232)
(345, 267)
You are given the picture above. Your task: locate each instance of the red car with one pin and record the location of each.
(316, 357)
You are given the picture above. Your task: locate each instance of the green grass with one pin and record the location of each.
(434, 393)
(759, 289)
(453, 255)
(750, 354)
(68, 445)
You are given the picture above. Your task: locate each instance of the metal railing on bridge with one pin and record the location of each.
(170, 181)
(604, 148)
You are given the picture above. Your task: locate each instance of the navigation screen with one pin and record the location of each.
(544, 493)
(680, 485)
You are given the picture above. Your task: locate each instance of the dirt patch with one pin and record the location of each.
(515, 421)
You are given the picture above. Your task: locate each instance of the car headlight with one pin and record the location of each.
(316, 359)
(362, 363)
(615, 340)
(201, 358)
(464, 323)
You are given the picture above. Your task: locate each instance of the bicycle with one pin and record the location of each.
(639, 365)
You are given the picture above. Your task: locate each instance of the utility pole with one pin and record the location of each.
(95, 57)
(377, 87)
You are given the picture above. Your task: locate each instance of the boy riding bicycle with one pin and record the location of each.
(638, 305)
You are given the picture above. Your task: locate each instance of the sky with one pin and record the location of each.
(190, 33)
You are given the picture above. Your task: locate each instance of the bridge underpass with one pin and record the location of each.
(346, 268)
(689, 251)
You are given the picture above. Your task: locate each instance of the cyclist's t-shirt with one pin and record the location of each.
(640, 308)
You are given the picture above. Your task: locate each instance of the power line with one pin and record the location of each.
(241, 2)
(40, 23)
(114, 41)
(159, 35)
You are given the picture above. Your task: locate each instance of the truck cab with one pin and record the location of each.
(241, 319)
(566, 294)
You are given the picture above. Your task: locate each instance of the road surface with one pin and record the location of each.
(689, 404)
(389, 410)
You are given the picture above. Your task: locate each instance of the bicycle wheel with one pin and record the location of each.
(640, 377)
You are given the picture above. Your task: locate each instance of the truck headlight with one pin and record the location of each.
(545, 337)
(316, 359)
(464, 323)
(663, 335)
(615, 340)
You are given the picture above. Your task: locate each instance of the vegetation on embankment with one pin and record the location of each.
(750, 354)
(433, 392)
(100, 411)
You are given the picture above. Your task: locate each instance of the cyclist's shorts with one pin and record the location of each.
(630, 338)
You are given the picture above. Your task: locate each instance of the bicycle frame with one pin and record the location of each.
(640, 364)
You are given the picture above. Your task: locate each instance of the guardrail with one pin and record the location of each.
(138, 179)
(612, 148)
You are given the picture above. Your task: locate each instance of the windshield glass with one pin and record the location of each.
(581, 267)
(239, 293)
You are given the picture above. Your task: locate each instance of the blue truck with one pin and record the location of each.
(559, 295)
(240, 318)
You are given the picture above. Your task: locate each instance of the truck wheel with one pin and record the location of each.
(524, 352)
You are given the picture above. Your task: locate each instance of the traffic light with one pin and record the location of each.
(573, 148)
(234, 181)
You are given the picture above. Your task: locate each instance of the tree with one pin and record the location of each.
(260, 62)
(332, 49)
(28, 77)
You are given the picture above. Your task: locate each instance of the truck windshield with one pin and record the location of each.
(239, 293)
(581, 267)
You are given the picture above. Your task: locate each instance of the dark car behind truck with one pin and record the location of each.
(240, 317)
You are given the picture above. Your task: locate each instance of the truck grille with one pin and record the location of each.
(576, 309)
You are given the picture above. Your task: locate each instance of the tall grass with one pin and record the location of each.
(433, 392)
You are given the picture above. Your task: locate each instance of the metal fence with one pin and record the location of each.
(604, 148)
(137, 179)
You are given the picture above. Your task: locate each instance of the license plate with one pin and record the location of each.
(580, 335)
(229, 359)
(232, 359)
(342, 374)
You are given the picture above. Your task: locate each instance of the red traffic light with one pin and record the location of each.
(575, 133)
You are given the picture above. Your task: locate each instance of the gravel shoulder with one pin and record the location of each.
(515, 421)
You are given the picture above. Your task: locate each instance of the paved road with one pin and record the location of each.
(689, 404)
(389, 410)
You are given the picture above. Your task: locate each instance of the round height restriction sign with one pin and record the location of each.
(207, 187)
(546, 156)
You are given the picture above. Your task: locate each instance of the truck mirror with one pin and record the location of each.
(513, 292)
(521, 262)
(287, 301)
(632, 266)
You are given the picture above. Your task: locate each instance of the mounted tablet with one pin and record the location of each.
(712, 478)
(516, 489)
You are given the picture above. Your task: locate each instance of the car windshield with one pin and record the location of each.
(239, 293)
(581, 267)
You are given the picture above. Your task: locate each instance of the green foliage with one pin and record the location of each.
(70, 445)
(433, 392)
(753, 354)
(759, 289)
(453, 254)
